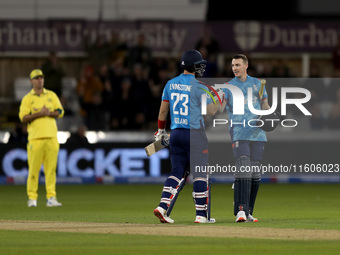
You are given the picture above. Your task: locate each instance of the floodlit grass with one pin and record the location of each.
(300, 206)
(88, 244)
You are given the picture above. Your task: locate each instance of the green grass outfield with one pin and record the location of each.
(279, 206)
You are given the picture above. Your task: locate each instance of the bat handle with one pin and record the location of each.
(263, 83)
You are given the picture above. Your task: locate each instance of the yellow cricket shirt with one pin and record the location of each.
(43, 127)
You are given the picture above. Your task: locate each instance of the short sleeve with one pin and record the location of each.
(24, 108)
(165, 95)
(57, 106)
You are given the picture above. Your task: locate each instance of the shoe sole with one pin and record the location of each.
(53, 205)
(159, 216)
(254, 220)
(241, 219)
(212, 220)
(199, 222)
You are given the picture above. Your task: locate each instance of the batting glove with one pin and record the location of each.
(160, 134)
(220, 93)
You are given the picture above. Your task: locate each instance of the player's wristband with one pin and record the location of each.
(161, 124)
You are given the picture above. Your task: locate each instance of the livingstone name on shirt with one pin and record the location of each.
(175, 86)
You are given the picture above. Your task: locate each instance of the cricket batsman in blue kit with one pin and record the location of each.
(188, 142)
(248, 142)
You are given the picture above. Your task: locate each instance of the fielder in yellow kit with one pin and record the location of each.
(39, 109)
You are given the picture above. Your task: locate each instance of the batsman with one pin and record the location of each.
(248, 142)
(188, 142)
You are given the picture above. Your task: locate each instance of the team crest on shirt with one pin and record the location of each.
(49, 99)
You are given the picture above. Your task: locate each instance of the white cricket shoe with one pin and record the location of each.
(201, 219)
(160, 213)
(241, 216)
(250, 218)
(32, 203)
(53, 202)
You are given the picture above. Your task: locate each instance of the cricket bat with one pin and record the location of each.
(263, 83)
(152, 148)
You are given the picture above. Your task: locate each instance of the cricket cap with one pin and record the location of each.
(36, 73)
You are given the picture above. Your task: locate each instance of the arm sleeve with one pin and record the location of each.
(165, 95)
(57, 106)
(226, 94)
(209, 99)
(199, 90)
(24, 108)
